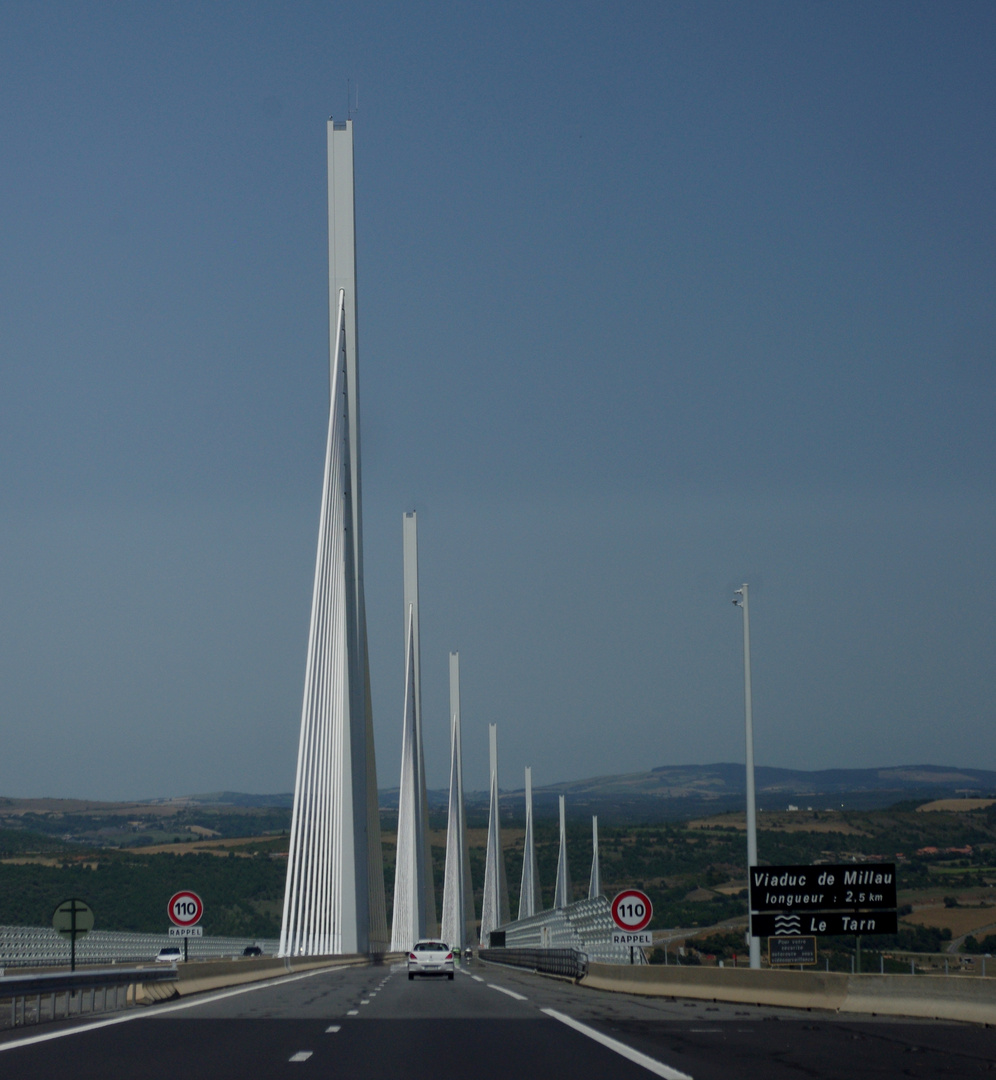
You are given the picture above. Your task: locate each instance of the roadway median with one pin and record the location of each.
(195, 977)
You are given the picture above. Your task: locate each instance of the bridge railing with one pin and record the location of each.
(569, 963)
(38, 946)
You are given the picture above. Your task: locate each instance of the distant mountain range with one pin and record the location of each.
(681, 791)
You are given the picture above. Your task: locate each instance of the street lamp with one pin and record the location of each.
(741, 602)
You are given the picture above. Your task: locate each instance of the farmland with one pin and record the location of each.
(126, 859)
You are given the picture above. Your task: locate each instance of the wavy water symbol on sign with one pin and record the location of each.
(787, 924)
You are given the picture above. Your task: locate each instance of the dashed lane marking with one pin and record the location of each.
(353, 1012)
(511, 993)
(332, 1029)
(301, 1055)
(658, 1068)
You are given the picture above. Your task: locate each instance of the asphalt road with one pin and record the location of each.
(489, 1022)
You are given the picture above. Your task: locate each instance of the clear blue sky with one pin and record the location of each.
(653, 300)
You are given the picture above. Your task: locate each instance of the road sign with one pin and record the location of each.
(186, 931)
(185, 908)
(791, 950)
(629, 937)
(823, 923)
(845, 886)
(632, 910)
(72, 919)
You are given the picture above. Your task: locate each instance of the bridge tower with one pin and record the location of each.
(595, 881)
(458, 894)
(414, 895)
(334, 895)
(562, 891)
(530, 901)
(494, 905)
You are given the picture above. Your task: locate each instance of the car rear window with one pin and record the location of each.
(430, 946)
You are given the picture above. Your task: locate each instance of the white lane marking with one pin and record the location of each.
(160, 1010)
(332, 1029)
(511, 993)
(477, 978)
(658, 1068)
(301, 1055)
(353, 1012)
(364, 1001)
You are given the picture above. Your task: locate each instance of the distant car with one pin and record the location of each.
(170, 955)
(430, 957)
(252, 950)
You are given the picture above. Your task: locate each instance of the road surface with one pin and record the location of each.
(489, 1022)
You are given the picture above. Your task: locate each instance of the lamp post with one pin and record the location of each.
(742, 602)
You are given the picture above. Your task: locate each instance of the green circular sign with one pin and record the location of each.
(72, 919)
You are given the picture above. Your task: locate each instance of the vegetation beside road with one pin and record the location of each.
(126, 865)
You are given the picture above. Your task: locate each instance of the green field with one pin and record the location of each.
(694, 871)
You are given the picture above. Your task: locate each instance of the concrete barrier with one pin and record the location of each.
(195, 977)
(923, 996)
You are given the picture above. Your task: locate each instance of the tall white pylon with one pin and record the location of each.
(494, 906)
(458, 895)
(408, 923)
(334, 896)
(595, 881)
(423, 896)
(562, 892)
(530, 901)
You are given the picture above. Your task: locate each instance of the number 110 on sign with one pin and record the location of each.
(185, 908)
(632, 910)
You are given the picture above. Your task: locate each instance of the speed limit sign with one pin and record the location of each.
(632, 910)
(185, 908)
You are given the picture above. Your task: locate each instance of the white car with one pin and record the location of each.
(172, 954)
(430, 957)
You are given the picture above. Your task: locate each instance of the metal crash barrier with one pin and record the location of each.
(569, 963)
(37, 998)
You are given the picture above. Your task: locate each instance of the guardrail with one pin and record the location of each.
(49, 990)
(569, 963)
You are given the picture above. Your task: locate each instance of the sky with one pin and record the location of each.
(653, 301)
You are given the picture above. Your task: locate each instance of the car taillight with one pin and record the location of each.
(449, 956)
(412, 956)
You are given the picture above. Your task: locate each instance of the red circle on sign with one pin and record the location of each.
(185, 908)
(632, 910)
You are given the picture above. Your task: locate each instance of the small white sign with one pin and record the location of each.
(186, 931)
(632, 937)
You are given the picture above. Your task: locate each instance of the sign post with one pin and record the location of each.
(72, 919)
(185, 909)
(632, 912)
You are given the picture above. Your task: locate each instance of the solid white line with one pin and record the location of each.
(333, 1029)
(301, 1055)
(159, 1010)
(511, 993)
(658, 1068)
